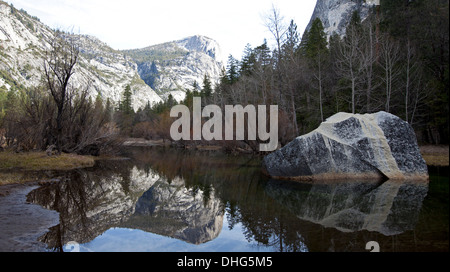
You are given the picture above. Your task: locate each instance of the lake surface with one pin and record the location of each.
(180, 200)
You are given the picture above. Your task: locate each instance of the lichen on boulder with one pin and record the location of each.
(351, 146)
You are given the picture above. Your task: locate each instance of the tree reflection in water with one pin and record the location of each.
(186, 194)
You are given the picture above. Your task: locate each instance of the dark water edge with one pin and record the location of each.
(23, 223)
(229, 198)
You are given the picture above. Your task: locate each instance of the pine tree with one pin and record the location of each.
(316, 52)
(290, 46)
(207, 87)
(170, 102)
(355, 21)
(232, 70)
(316, 42)
(195, 88)
(248, 61)
(223, 77)
(108, 110)
(126, 106)
(262, 54)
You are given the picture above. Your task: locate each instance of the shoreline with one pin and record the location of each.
(26, 221)
(19, 168)
(23, 232)
(15, 168)
(435, 155)
(39, 160)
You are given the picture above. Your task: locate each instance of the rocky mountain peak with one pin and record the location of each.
(152, 72)
(173, 67)
(201, 44)
(335, 14)
(24, 41)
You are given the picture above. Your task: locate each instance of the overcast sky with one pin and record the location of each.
(137, 23)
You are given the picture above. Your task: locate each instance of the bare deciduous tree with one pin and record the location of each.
(274, 22)
(58, 68)
(368, 61)
(414, 88)
(348, 62)
(389, 62)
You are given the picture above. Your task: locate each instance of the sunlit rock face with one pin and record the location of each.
(105, 72)
(336, 14)
(152, 73)
(173, 67)
(171, 209)
(351, 146)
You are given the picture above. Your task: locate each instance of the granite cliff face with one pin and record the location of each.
(173, 67)
(351, 146)
(24, 40)
(153, 72)
(335, 14)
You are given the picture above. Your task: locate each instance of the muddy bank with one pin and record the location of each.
(22, 223)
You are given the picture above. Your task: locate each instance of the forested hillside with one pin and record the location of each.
(396, 60)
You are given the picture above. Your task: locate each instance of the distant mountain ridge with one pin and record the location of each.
(153, 72)
(176, 65)
(24, 41)
(173, 67)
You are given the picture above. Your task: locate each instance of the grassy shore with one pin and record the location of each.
(435, 155)
(40, 161)
(14, 167)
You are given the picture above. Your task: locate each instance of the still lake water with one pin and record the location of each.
(179, 200)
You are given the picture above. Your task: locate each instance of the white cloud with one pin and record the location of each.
(137, 23)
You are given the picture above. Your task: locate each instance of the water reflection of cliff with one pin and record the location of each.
(171, 209)
(123, 194)
(186, 194)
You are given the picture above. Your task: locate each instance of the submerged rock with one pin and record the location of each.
(355, 146)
